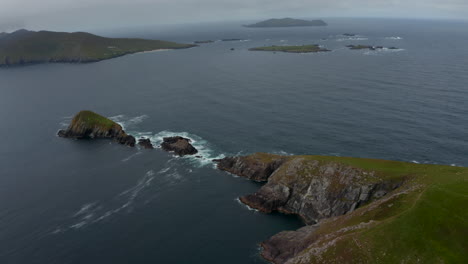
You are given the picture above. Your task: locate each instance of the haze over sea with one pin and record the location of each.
(67, 201)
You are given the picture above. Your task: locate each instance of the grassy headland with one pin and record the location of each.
(23, 47)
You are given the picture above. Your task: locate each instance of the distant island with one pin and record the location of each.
(287, 22)
(292, 49)
(369, 47)
(203, 41)
(25, 47)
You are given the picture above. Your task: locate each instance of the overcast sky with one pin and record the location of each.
(85, 14)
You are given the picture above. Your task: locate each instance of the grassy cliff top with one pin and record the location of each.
(292, 49)
(92, 120)
(287, 22)
(423, 221)
(25, 46)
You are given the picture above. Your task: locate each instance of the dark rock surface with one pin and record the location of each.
(179, 145)
(255, 167)
(311, 189)
(145, 143)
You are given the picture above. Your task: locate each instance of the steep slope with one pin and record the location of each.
(89, 125)
(22, 47)
(365, 211)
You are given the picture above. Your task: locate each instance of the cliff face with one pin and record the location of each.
(87, 124)
(256, 167)
(312, 189)
(324, 192)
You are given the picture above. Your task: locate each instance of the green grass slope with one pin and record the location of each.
(424, 221)
(45, 46)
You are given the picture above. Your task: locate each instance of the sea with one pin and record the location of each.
(69, 201)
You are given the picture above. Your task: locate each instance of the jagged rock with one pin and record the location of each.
(179, 145)
(312, 189)
(257, 167)
(145, 143)
(89, 125)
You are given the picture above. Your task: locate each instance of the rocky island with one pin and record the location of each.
(179, 145)
(359, 210)
(292, 49)
(361, 47)
(26, 47)
(89, 125)
(203, 41)
(287, 22)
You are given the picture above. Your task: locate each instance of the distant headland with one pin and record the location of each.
(287, 22)
(26, 47)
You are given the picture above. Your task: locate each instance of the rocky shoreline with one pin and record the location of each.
(348, 205)
(312, 189)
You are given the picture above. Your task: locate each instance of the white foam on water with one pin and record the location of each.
(94, 212)
(244, 205)
(415, 161)
(205, 154)
(382, 51)
(351, 39)
(131, 156)
(394, 38)
(282, 153)
(128, 122)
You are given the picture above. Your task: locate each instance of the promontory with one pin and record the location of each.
(26, 47)
(359, 210)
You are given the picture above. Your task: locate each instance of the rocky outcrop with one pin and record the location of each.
(89, 125)
(145, 143)
(179, 145)
(256, 167)
(316, 190)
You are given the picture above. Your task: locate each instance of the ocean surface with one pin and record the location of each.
(66, 201)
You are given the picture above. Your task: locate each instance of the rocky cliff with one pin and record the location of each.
(312, 189)
(89, 125)
(179, 145)
(357, 210)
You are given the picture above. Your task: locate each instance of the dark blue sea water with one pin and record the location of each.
(65, 201)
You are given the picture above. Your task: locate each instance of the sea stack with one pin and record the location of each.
(179, 145)
(89, 125)
(145, 143)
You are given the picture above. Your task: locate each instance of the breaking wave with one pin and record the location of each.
(394, 38)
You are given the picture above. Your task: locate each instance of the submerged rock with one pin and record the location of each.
(179, 145)
(89, 125)
(145, 143)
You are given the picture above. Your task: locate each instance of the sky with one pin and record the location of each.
(69, 15)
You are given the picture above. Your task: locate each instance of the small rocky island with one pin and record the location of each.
(287, 22)
(358, 210)
(179, 145)
(89, 125)
(28, 47)
(292, 49)
(203, 41)
(369, 47)
(145, 143)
